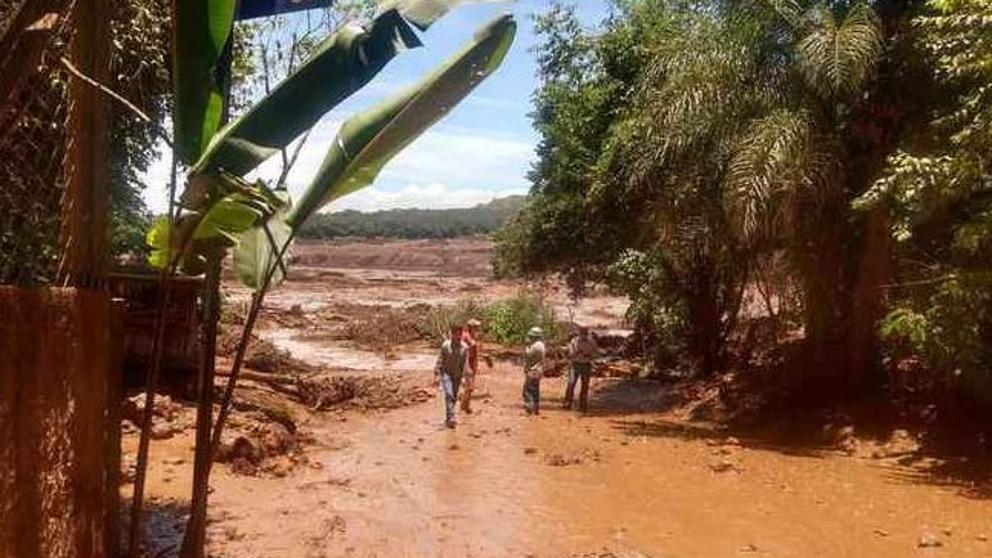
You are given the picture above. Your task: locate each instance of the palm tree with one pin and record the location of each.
(795, 173)
(665, 167)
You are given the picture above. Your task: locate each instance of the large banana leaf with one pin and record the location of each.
(201, 31)
(220, 225)
(259, 250)
(367, 141)
(423, 13)
(342, 64)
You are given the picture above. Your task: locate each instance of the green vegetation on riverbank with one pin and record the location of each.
(414, 223)
(817, 167)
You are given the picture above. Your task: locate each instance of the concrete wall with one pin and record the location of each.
(59, 423)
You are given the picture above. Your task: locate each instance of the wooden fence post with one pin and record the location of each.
(84, 205)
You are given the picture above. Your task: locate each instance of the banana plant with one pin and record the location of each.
(362, 147)
(220, 211)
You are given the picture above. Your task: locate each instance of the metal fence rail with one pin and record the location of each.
(33, 140)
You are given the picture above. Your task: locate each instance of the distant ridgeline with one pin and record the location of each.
(414, 223)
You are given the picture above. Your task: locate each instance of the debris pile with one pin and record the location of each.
(262, 355)
(387, 326)
(362, 393)
(263, 448)
(168, 417)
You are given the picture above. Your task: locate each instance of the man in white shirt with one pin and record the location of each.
(533, 371)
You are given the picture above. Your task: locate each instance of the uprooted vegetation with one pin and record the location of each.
(262, 355)
(279, 392)
(265, 433)
(386, 326)
(505, 322)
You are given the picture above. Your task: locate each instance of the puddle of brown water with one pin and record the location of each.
(399, 489)
(340, 357)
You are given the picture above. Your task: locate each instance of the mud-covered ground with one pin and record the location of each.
(374, 473)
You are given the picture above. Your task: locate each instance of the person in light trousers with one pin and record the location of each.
(533, 370)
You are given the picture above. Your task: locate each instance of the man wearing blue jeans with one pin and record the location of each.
(581, 352)
(449, 370)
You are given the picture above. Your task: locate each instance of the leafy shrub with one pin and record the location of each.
(949, 327)
(655, 306)
(505, 321)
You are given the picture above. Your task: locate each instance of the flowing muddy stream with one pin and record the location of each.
(625, 481)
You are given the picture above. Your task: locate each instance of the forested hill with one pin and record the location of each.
(415, 223)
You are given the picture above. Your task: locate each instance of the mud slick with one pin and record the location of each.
(336, 446)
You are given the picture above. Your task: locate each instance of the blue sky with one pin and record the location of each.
(482, 150)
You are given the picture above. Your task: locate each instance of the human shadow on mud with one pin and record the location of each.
(613, 397)
(913, 442)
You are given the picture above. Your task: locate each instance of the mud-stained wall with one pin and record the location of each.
(59, 424)
(181, 344)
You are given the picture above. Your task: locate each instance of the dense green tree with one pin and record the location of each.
(858, 90)
(139, 57)
(414, 223)
(692, 139)
(938, 189)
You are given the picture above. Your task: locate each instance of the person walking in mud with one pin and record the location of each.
(533, 370)
(582, 351)
(449, 370)
(470, 338)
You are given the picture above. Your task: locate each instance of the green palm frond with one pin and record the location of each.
(781, 161)
(693, 93)
(837, 60)
(789, 10)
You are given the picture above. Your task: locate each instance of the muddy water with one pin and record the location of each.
(341, 357)
(503, 484)
(615, 483)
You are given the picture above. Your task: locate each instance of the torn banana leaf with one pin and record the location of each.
(367, 141)
(342, 64)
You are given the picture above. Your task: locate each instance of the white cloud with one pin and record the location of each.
(446, 167)
(433, 196)
(462, 156)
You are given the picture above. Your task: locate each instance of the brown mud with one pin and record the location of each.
(637, 476)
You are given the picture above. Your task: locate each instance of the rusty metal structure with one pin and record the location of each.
(60, 330)
(140, 294)
(59, 423)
